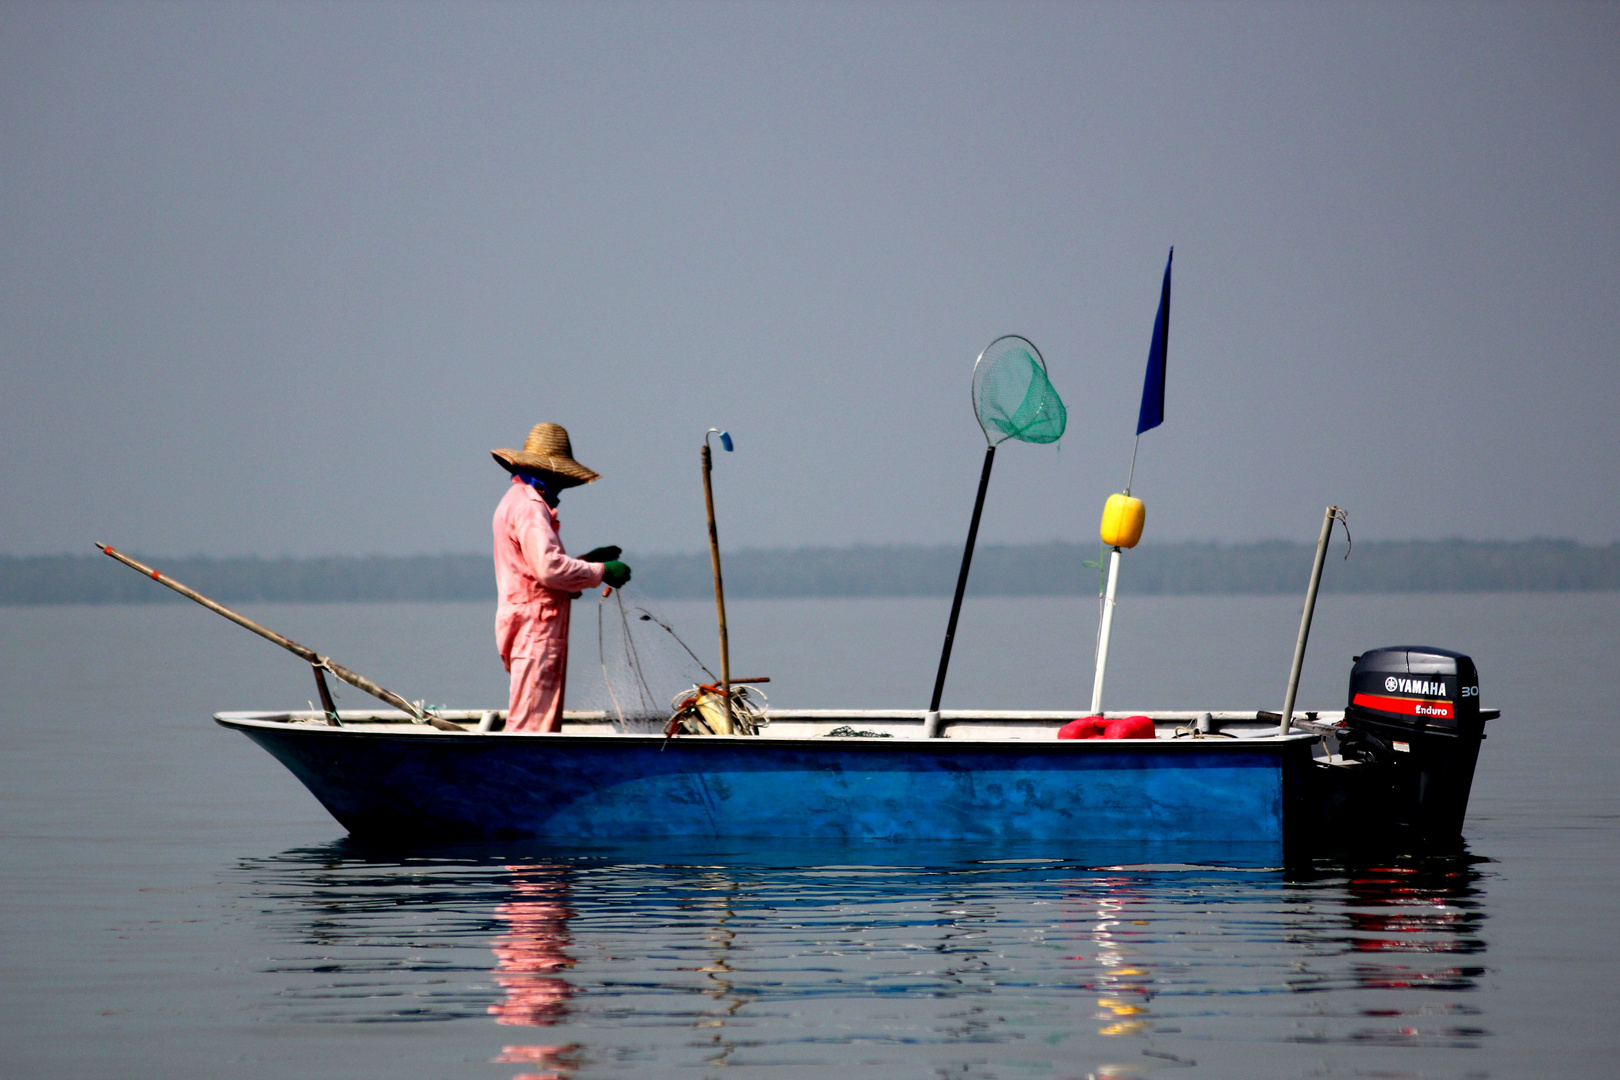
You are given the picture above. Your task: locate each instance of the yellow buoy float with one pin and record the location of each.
(1122, 521)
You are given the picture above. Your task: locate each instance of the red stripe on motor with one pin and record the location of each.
(1440, 710)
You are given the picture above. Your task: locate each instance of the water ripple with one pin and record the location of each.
(640, 963)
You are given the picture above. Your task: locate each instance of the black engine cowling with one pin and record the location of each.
(1414, 719)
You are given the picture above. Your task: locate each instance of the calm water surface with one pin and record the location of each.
(175, 905)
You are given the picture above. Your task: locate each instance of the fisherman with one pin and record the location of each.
(535, 579)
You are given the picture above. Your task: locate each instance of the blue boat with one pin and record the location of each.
(1399, 759)
(997, 776)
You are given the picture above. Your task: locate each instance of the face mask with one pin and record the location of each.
(539, 485)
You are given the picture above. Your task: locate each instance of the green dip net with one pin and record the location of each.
(1012, 397)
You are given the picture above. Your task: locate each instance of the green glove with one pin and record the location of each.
(615, 574)
(602, 554)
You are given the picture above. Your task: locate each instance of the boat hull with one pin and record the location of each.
(467, 786)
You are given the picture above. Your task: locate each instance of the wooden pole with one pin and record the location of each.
(1305, 620)
(931, 721)
(327, 704)
(319, 662)
(719, 582)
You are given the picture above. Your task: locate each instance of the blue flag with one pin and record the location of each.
(1152, 414)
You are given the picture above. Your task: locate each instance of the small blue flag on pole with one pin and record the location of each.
(1152, 414)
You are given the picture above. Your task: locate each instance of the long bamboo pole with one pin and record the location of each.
(316, 660)
(719, 581)
(1305, 620)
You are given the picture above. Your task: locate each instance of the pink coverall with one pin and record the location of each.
(533, 577)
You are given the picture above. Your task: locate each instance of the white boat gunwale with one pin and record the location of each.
(981, 727)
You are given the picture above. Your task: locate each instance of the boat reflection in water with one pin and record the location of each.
(1377, 951)
(899, 960)
(529, 959)
(1124, 981)
(1401, 915)
(1410, 940)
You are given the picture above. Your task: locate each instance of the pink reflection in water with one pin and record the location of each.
(529, 958)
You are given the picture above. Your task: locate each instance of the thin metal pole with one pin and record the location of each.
(719, 583)
(316, 659)
(1102, 636)
(1305, 620)
(931, 721)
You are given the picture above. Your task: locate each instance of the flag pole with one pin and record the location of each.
(1124, 516)
(1104, 631)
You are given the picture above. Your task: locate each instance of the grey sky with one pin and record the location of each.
(277, 277)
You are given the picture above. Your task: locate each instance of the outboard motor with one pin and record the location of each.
(1414, 717)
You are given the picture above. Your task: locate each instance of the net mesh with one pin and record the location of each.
(1013, 398)
(644, 664)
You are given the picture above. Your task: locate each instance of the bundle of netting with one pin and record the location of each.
(702, 710)
(644, 663)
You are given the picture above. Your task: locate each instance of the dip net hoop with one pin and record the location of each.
(1012, 396)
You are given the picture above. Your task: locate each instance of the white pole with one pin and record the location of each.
(1102, 636)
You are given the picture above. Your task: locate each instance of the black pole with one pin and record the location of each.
(961, 579)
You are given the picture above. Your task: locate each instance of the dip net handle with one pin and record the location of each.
(961, 580)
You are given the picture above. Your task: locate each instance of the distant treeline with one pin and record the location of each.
(1054, 569)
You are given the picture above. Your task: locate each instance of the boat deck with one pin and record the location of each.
(974, 725)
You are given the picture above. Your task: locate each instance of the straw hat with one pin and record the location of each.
(547, 450)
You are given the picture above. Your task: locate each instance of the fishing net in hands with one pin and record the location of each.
(652, 681)
(644, 663)
(1012, 396)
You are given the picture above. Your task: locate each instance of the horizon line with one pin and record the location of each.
(851, 546)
